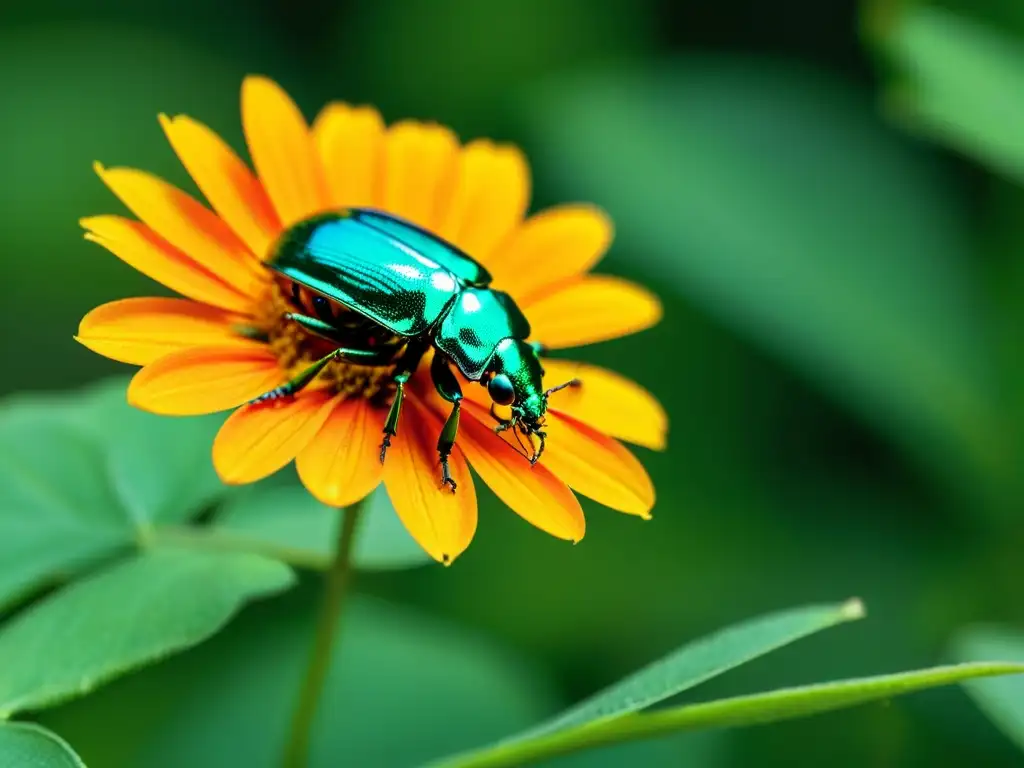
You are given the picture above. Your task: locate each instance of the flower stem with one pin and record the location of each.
(338, 579)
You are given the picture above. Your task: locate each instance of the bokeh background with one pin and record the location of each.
(841, 259)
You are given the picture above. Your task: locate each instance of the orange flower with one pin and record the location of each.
(196, 358)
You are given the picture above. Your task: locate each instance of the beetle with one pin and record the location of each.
(383, 291)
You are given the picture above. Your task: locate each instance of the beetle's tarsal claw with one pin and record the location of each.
(540, 451)
(385, 444)
(446, 475)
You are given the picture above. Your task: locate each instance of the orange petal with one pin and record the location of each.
(205, 380)
(441, 521)
(534, 493)
(282, 150)
(555, 245)
(188, 226)
(257, 440)
(489, 200)
(136, 245)
(228, 184)
(419, 171)
(591, 309)
(351, 145)
(596, 466)
(341, 464)
(608, 402)
(138, 331)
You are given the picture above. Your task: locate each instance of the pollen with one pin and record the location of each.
(295, 348)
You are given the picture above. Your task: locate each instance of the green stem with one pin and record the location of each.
(336, 588)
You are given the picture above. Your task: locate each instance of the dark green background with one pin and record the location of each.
(840, 354)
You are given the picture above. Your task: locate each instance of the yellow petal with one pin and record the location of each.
(136, 245)
(282, 150)
(591, 309)
(341, 464)
(139, 331)
(441, 521)
(228, 184)
(188, 226)
(534, 493)
(490, 198)
(419, 171)
(258, 440)
(351, 145)
(596, 466)
(608, 402)
(205, 380)
(550, 248)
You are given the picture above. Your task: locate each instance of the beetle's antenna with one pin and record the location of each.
(569, 383)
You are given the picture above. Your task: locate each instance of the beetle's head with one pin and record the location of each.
(517, 382)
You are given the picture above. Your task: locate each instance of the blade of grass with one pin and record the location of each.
(754, 709)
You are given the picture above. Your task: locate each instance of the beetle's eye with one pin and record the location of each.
(322, 307)
(501, 391)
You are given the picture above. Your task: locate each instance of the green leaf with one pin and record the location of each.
(83, 476)
(755, 709)
(160, 467)
(773, 197)
(287, 520)
(403, 688)
(23, 745)
(702, 660)
(1001, 699)
(123, 617)
(956, 83)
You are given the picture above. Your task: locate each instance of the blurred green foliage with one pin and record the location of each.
(836, 227)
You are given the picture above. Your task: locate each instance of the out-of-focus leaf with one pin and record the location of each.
(454, 61)
(76, 92)
(755, 709)
(289, 518)
(773, 197)
(701, 660)
(23, 745)
(957, 80)
(403, 688)
(1001, 699)
(124, 617)
(84, 476)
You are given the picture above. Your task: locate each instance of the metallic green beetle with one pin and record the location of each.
(382, 291)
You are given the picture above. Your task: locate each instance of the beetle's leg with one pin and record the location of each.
(309, 373)
(447, 386)
(314, 325)
(391, 425)
(404, 369)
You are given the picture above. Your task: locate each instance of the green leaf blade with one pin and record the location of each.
(754, 709)
(124, 617)
(956, 83)
(83, 476)
(702, 660)
(24, 745)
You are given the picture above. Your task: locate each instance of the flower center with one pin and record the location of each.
(296, 348)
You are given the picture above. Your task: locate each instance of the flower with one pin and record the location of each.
(227, 341)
